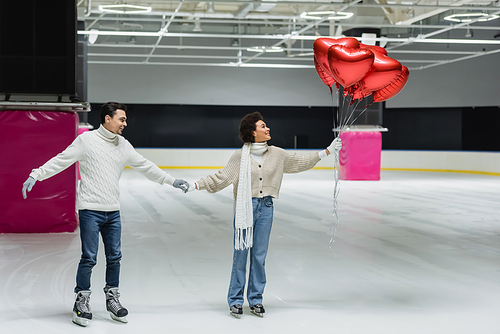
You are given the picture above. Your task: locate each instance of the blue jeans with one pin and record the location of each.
(109, 224)
(262, 223)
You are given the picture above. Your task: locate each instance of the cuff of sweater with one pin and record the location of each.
(35, 173)
(169, 179)
(322, 154)
(199, 185)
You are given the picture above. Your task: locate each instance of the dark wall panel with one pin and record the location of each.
(217, 126)
(38, 47)
(423, 129)
(480, 131)
(192, 126)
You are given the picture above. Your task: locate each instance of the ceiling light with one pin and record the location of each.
(468, 17)
(265, 49)
(330, 15)
(124, 9)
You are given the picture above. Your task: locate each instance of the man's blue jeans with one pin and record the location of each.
(110, 226)
(262, 223)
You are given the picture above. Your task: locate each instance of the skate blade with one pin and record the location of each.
(260, 315)
(236, 315)
(119, 319)
(80, 321)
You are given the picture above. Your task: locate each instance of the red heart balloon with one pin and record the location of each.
(393, 88)
(383, 71)
(320, 48)
(373, 47)
(358, 93)
(326, 78)
(349, 65)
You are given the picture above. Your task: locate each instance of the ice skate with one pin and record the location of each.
(236, 311)
(114, 307)
(81, 309)
(258, 310)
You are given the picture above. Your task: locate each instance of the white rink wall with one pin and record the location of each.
(446, 161)
(449, 161)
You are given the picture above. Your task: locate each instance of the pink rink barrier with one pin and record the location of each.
(360, 155)
(27, 140)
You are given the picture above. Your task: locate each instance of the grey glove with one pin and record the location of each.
(28, 185)
(181, 184)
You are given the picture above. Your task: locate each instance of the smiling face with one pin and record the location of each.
(262, 133)
(117, 123)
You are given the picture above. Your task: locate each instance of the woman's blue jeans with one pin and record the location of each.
(262, 223)
(110, 226)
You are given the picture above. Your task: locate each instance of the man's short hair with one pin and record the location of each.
(110, 108)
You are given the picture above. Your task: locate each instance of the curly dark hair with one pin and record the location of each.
(110, 108)
(247, 126)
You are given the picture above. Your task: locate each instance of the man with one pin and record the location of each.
(102, 154)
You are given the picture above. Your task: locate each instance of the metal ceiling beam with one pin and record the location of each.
(313, 2)
(449, 61)
(309, 26)
(201, 64)
(422, 38)
(232, 48)
(285, 23)
(165, 28)
(245, 9)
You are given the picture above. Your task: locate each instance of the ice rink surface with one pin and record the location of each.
(417, 252)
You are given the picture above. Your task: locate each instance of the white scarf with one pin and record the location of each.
(243, 219)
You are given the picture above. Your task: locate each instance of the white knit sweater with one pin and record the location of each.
(102, 155)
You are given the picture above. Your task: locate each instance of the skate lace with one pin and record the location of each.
(83, 303)
(114, 302)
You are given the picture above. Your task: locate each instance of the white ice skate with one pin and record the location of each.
(82, 313)
(114, 307)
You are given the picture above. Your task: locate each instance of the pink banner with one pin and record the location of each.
(360, 155)
(27, 140)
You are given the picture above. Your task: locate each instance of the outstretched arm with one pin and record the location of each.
(222, 178)
(55, 165)
(60, 162)
(149, 169)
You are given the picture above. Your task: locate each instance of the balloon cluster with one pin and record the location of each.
(362, 70)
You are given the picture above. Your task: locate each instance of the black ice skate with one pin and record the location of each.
(258, 310)
(81, 310)
(113, 305)
(236, 311)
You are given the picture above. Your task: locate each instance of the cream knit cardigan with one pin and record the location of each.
(266, 175)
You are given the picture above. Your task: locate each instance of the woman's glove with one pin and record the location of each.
(336, 145)
(191, 187)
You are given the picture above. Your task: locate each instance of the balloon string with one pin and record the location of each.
(336, 190)
(359, 115)
(351, 113)
(336, 124)
(344, 115)
(340, 117)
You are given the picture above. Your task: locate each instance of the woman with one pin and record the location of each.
(256, 172)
